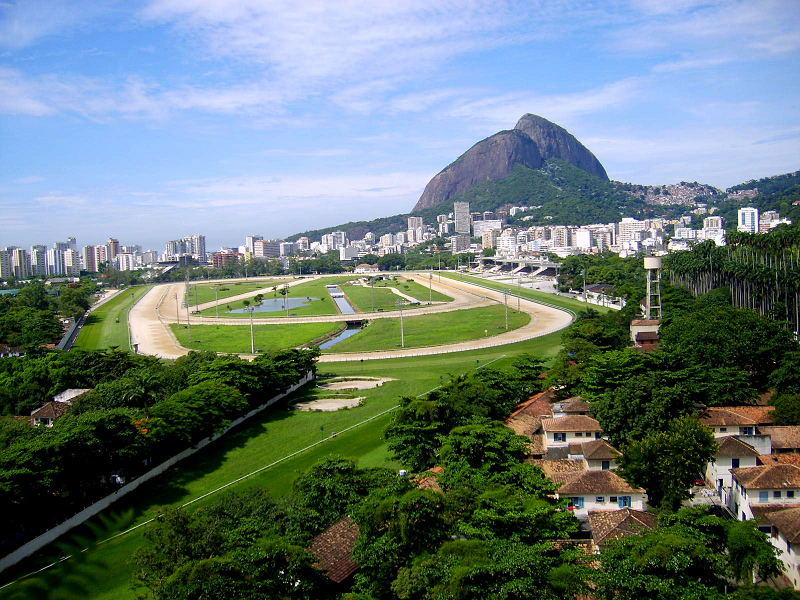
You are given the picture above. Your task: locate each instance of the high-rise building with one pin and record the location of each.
(72, 244)
(583, 238)
(712, 223)
(747, 220)
(112, 249)
(90, 259)
(461, 210)
(5, 264)
(250, 240)
(101, 255)
(126, 261)
(196, 246)
(55, 258)
(414, 222)
(627, 228)
(267, 248)
(461, 243)
(72, 262)
(20, 263)
(38, 259)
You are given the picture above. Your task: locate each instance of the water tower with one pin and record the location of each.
(652, 265)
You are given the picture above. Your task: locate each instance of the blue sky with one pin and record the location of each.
(147, 121)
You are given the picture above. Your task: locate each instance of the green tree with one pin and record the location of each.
(664, 463)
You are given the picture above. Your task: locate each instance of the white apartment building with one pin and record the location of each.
(72, 262)
(584, 239)
(462, 217)
(747, 220)
(755, 488)
(126, 261)
(628, 228)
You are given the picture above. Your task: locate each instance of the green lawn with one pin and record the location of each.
(542, 297)
(205, 291)
(432, 330)
(361, 297)
(236, 338)
(276, 434)
(107, 326)
(323, 305)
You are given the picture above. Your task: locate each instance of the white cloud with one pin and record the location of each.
(30, 179)
(24, 22)
(504, 110)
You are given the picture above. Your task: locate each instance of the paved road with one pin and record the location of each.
(149, 321)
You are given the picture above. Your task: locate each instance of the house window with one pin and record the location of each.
(763, 496)
(790, 493)
(576, 501)
(578, 434)
(559, 437)
(723, 429)
(624, 501)
(597, 435)
(605, 465)
(734, 463)
(745, 431)
(612, 498)
(600, 499)
(776, 494)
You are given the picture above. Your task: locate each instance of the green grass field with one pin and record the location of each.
(324, 305)
(236, 338)
(432, 330)
(205, 291)
(361, 297)
(275, 434)
(107, 326)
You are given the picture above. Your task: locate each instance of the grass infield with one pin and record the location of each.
(107, 326)
(205, 291)
(433, 329)
(236, 338)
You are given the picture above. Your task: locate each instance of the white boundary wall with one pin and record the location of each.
(52, 534)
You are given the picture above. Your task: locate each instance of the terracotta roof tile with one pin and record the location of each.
(787, 522)
(571, 423)
(783, 437)
(599, 450)
(563, 465)
(761, 510)
(642, 322)
(786, 458)
(716, 416)
(731, 446)
(333, 549)
(597, 482)
(576, 405)
(768, 477)
(50, 410)
(615, 524)
(525, 420)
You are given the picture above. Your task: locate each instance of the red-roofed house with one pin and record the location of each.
(599, 490)
(761, 486)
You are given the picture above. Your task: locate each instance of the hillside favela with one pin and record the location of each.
(416, 302)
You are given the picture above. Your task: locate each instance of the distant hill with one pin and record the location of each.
(530, 144)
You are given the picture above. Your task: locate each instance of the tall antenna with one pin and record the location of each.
(652, 265)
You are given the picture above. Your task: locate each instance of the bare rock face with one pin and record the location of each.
(492, 158)
(530, 143)
(554, 141)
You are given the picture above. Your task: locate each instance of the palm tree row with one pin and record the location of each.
(761, 270)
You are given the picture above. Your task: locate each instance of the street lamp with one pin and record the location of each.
(399, 304)
(250, 309)
(177, 313)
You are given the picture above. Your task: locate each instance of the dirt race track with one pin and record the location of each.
(150, 318)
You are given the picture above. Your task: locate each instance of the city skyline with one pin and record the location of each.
(143, 121)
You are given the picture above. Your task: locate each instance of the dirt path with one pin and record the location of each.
(150, 318)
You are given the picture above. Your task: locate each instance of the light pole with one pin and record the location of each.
(505, 301)
(430, 288)
(399, 304)
(216, 300)
(177, 312)
(252, 339)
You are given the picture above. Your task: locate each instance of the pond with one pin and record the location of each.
(275, 305)
(349, 332)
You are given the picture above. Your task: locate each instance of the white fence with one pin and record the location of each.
(52, 534)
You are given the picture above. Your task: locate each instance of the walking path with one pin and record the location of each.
(149, 321)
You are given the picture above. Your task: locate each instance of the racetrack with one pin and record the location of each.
(150, 318)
